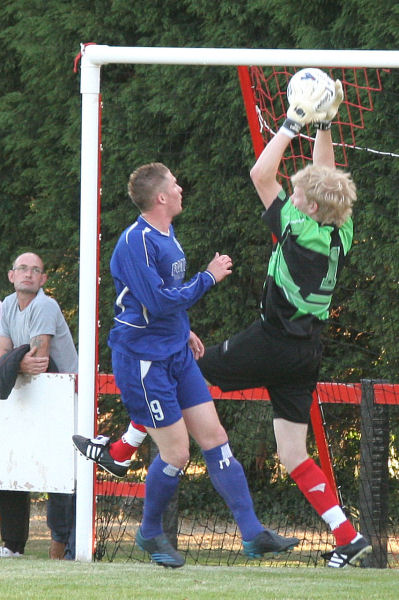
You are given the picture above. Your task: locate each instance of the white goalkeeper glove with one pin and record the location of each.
(302, 111)
(325, 123)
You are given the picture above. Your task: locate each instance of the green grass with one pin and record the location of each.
(35, 577)
(41, 579)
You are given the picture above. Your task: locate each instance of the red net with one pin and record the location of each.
(264, 92)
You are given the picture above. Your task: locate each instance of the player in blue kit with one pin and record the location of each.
(153, 358)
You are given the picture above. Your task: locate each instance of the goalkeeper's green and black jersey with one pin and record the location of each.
(303, 269)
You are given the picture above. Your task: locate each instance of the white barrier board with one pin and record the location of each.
(36, 424)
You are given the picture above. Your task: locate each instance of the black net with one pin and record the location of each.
(366, 470)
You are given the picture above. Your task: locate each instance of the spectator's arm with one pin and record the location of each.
(5, 345)
(36, 360)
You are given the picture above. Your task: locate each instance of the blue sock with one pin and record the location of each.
(160, 485)
(228, 478)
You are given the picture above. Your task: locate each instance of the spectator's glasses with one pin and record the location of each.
(25, 269)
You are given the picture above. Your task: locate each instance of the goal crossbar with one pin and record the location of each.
(102, 54)
(94, 56)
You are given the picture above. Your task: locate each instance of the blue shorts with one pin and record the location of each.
(155, 392)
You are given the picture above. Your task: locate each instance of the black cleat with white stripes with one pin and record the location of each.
(352, 553)
(97, 450)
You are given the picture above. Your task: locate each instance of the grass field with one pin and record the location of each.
(41, 579)
(35, 577)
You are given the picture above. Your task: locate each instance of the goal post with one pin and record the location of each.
(93, 57)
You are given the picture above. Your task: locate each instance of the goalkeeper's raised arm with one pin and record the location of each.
(264, 171)
(303, 103)
(323, 151)
(304, 108)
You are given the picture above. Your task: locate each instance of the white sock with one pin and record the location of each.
(133, 437)
(334, 517)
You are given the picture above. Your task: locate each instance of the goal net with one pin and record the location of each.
(197, 519)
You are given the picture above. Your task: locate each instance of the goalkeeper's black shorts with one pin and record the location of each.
(257, 357)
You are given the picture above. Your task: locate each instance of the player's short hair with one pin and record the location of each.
(333, 190)
(145, 183)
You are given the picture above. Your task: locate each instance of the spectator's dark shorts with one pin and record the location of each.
(257, 357)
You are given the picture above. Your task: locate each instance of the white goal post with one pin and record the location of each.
(93, 57)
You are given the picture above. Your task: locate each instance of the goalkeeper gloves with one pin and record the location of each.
(300, 113)
(303, 110)
(325, 123)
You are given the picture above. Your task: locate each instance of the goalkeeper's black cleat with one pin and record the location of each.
(97, 450)
(160, 550)
(352, 553)
(268, 541)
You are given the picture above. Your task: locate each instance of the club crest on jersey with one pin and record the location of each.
(179, 269)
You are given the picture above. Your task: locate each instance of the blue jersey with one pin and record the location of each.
(148, 268)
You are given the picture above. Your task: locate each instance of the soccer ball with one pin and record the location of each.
(312, 84)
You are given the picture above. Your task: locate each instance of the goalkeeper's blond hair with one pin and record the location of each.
(333, 190)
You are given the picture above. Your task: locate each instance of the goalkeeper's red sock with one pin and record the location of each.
(124, 448)
(314, 485)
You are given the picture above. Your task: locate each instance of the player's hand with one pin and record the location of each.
(33, 365)
(304, 109)
(220, 266)
(197, 347)
(333, 108)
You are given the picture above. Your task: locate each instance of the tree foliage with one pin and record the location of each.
(193, 120)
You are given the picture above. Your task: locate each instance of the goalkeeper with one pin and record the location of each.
(282, 350)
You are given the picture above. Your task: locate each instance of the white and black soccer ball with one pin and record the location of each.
(312, 83)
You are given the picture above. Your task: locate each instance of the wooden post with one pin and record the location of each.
(373, 493)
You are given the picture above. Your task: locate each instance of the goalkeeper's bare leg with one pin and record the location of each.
(292, 451)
